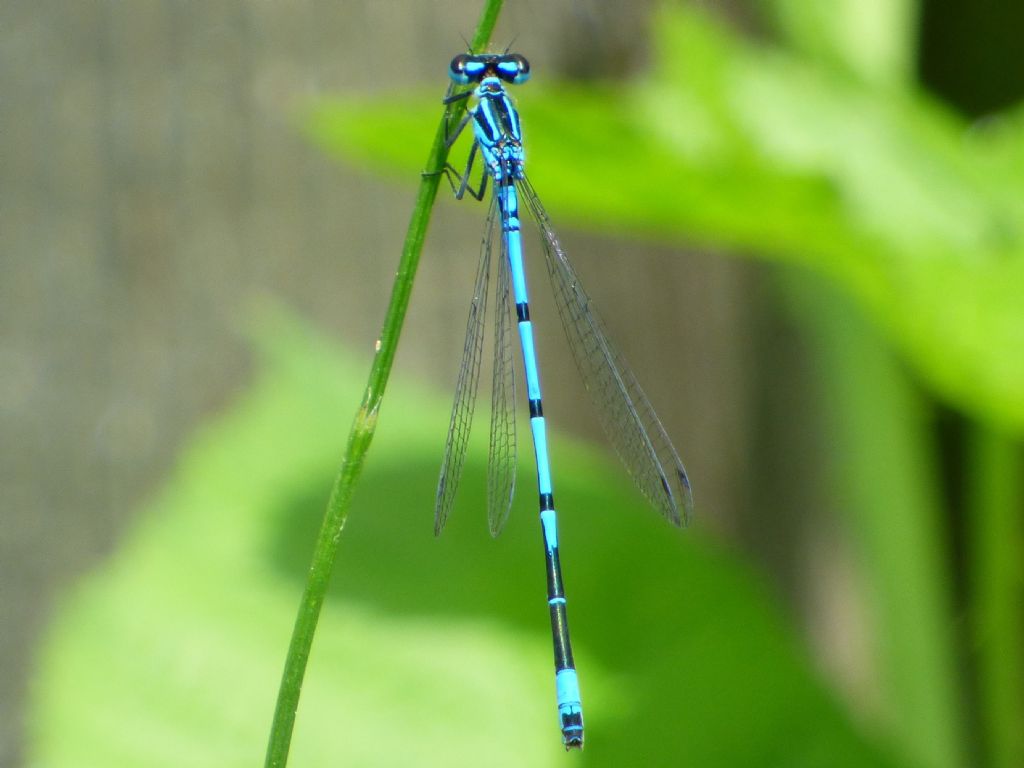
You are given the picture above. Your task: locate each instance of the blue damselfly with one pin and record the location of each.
(627, 416)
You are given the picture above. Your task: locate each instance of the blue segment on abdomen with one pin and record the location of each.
(549, 523)
(540, 445)
(514, 241)
(567, 688)
(515, 261)
(529, 361)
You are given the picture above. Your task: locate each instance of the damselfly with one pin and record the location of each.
(626, 414)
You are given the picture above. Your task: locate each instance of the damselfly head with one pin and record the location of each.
(511, 68)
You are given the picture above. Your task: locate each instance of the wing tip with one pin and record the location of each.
(679, 514)
(684, 483)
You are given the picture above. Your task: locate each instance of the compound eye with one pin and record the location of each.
(513, 68)
(457, 70)
(524, 68)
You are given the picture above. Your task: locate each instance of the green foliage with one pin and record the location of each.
(430, 652)
(916, 214)
(869, 39)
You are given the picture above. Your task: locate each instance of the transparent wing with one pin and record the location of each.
(625, 412)
(466, 387)
(501, 466)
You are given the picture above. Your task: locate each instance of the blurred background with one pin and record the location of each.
(841, 372)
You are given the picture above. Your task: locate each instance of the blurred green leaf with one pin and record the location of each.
(432, 651)
(871, 39)
(746, 147)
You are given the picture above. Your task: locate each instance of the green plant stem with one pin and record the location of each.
(363, 428)
(995, 504)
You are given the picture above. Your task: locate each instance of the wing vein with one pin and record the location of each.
(466, 387)
(627, 416)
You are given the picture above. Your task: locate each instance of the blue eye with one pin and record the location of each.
(513, 68)
(466, 69)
